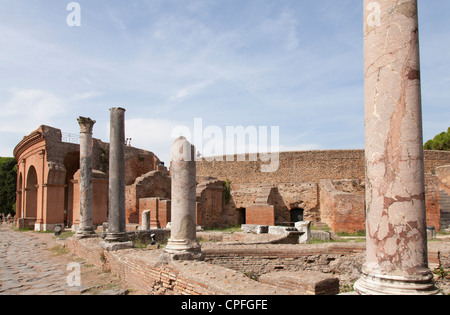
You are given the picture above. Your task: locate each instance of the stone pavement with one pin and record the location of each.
(25, 267)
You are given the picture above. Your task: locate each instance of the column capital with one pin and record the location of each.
(86, 124)
(114, 109)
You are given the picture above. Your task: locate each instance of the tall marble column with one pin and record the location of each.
(183, 244)
(116, 235)
(85, 228)
(396, 259)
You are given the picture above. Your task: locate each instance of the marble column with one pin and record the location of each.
(183, 244)
(116, 235)
(396, 259)
(85, 228)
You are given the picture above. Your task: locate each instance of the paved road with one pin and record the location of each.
(25, 267)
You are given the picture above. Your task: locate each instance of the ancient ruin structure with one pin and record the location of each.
(48, 179)
(86, 227)
(318, 186)
(326, 186)
(393, 189)
(183, 243)
(116, 237)
(396, 251)
(154, 184)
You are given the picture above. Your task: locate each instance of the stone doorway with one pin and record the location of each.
(297, 215)
(241, 215)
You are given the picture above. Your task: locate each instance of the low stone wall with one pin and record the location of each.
(143, 270)
(228, 269)
(337, 259)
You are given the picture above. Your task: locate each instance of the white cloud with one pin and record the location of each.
(27, 109)
(190, 91)
(85, 96)
(154, 135)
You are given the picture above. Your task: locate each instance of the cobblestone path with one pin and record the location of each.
(26, 268)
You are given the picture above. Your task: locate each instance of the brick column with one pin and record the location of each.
(396, 260)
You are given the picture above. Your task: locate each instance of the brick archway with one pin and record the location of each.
(31, 194)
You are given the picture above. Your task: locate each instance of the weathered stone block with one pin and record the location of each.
(311, 283)
(305, 227)
(281, 230)
(256, 229)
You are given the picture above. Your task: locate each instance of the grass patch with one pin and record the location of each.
(65, 235)
(357, 234)
(138, 243)
(59, 250)
(229, 229)
(25, 229)
(322, 227)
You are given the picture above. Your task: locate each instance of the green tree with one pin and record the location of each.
(440, 142)
(8, 181)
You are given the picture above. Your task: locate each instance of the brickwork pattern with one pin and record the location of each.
(305, 166)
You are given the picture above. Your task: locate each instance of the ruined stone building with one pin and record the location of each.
(48, 174)
(48, 179)
(318, 186)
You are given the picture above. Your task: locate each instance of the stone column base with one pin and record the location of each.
(81, 235)
(116, 237)
(85, 232)
(376, 284)
(182, 250)
(167, 257)
(116, 241)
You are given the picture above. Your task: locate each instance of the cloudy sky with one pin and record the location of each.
(296, 64)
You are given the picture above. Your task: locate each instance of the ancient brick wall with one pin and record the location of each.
(432, 197)
(294, 167)
(297, 180)
(341, 210)
(160, 211)
(53, 164)
(210, 199)
(260, 215)
(151, 184)
(305, 166)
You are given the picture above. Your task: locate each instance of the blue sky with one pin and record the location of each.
(296, 64)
